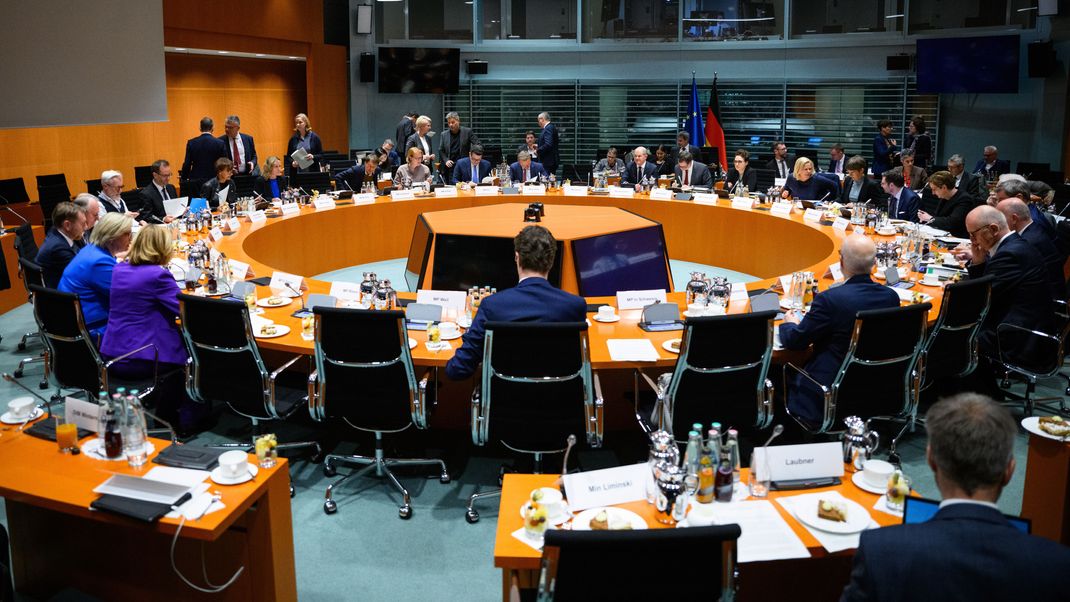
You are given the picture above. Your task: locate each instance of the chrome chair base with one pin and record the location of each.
(20, 370)
(26, 337)
(470, 513)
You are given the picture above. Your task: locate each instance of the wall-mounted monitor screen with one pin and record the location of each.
(622, 261)
(419, 250)
(419, 70)
(975, 65)
(462, 262)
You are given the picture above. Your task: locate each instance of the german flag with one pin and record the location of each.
(714, 131)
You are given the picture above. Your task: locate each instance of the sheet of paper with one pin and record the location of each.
(523, 537)
(185, 477)
(302, 157)
(833, 542)
(632, 350)
(765, 534)
(176, 207)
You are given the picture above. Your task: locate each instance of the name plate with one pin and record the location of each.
(402, 195)
(444, 299)
(239, 270)
(446, 191)
(510, 190)
(841, 223)
(780, 182)
(290, 209)
(257, 216)
(276, 202)
(621, 193)
(739, 292)
(812, 215)
(533, 190)
(85, 414)
(607, 487)
(346, 291)
(575, 190)
(835, 272)
(661, 194)
(807, 461)
(215, 234)
(705, 198)
(487, 190)
(742, 202)
(234, 224)
(364, 198)
(782, 208)
(280, 280)
(859, 229)
(323, 202)
(639, 299)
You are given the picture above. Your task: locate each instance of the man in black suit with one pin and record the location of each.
(683, 144)
(991, 166)
(968, 550)
(782, 163)
(638, 169)
(531, 145)
(151, 210)
(829, 324)
(902, 201)
(472, 168)
(837, 160)
(201, 153)
(690, 173)
(1019, 219)
(62, 243)
(457, 141)
(964, 181)
(239, 148)
(406, 127)
(953, 206)
(355, 177)
(548, 141)
(525, 170)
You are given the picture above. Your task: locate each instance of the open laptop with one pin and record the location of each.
(920, 510)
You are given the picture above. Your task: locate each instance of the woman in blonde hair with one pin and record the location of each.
(271, 182)
(88, 275)
(304, 138)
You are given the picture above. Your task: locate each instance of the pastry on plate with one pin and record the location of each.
(268, 329)
(275, 301)
(600, 522)
(834, 511)
(1055, 426)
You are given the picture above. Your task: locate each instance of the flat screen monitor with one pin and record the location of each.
(462, 262)
(920, 510)
(419, 70)
(975, 65)
(622, 261)
(419, 250)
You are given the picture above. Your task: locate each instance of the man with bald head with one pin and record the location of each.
(1020, 220)
(829, 323)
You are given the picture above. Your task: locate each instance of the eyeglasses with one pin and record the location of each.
(972, 232)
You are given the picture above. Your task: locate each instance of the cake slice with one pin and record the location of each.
(834, 511)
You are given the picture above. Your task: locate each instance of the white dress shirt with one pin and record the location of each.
(240, 165)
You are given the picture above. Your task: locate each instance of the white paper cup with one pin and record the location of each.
(20, 407)
(606, 312)
(449, 329)
(552, 500)
(696, 309)
(876, 472)
(934, 281)
(234, 463)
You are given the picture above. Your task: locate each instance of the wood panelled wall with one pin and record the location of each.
(266, 94)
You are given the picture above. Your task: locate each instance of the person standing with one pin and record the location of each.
(456, 143)
(420, 139)
(406, 127)
(884, 148)
(548, 142)
(239, 148)
(201, 153)
(304, 138)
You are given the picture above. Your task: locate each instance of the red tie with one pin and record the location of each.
(237, 159)
(685, 178)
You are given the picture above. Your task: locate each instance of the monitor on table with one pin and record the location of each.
(622, 261)
(463, 261)
(920, 510)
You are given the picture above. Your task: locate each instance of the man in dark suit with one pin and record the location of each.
(457, 141)
(690, 173)
(782, 163)
(151, 209)
(1016, 211)
(355, 177)
(525, 169)
(829, 324)
(683, 144)
(406, 127)
(968, 550)
(62, 243)
(953, 206)
(991, 166)
(533, 299)
(548, 141)
(967, 182)
(639, 168)
(902, 201)
(531, 144)
(239, 148)
(837, 160)
(388, 157)
(201, 153)
(463, 170)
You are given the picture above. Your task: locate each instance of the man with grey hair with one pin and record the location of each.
(525, 169)
(968, 550)
(991, 166)
(547, 143)
(456, 143)
(111, 194)
(639, 169)
(90, 205)
(829, 324)
(967, 182)
(239, 148)
(1015, 209)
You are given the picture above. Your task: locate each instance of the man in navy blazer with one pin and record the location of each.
(463, 170)
(525, 169)
(968, 550)
(239, 148)
(1020, 220)
(902, 202)
(548, 141)
(829, 324)
(533, 299)
(991, 166)
(639, 168)
(151, 208)
(62, 243)
(201, 153)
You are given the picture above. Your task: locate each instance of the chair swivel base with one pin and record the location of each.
(470, 514)
(20, 370)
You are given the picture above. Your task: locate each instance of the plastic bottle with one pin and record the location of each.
(733, 453)
(134, 431)
(692, 453)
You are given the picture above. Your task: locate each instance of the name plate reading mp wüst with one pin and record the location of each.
(234, 224)
(239, 270)
(812, 215)
(742, 202)
(364, 198)
(444, 299)
(806, 461)
(85, 414)
(257, 216)
(617, 192)
(639, 299)
(446, 191)
(607, 487)
(841, 223)
(323, 202)
(661, 194)
(346, 291)
(215, 234)
(571, 190)
(280, 280)
(705, 198)
(781, 208)
(402, 195)
(290, 209)
(487, 190)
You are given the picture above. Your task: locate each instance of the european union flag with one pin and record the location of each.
(693, 123)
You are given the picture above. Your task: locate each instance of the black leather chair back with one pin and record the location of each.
(13, 190)
(142, 175)
(75, 362)
(951, 347)
(243, 186)
(311, 180)
(31, 274)
(25, 244)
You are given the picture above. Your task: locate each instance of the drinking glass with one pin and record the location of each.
(266, 454)
(897, 491)
(66, 434)
(250, 301)
(759, 477)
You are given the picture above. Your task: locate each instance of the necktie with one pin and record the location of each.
(475, 176)
(686, 182)
(237, 159)
(893, 207)
(527, 174)
(163, 193)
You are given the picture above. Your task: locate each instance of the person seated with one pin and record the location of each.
(152, 196)
(741, 172)
(414, 169)
(683, 144)
(388, 157)
(472, 168)
(354, 178)
(1037, 195)
(829, 324)
(531, 145)
(952, 208)
(111, 194)
(781, 162)
(991, 167)
(902, 201)
(610, 164)
(968, 550)
(90, 205)
(837, 160)
(967, 182)
(691, 173)
(270, 184)
(857, 188)
(89, 273)
(884, 148)
(914, 177)
(62, 242)
(1016, 211)
(639, 169)
(533, 299)
(802, 184)
(219, 188)
(662, 162)
(525, 170)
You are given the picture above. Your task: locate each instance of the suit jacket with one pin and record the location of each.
(201, 154)
(262, 186)
(828, 327)
(882, 154)
(750, 178)
(516, 173)
(151, 205)
(54, 256)
(414, 140)
(89, 276)
(843, 165)
(548, 141)
(906, 207)
(817, 188)
(789, 166)
(632, 175)
(923, 148)
(210, 190)
(532, 300)
(971, 184)
(1054, 259)
(700, 175)
(965, 552)
(353, 178)
(466, 137)
(406, 127)
(250, 153)
(315, 148)
(462, 170)
(951, 214)
(691, 148)
(1001, 166)
(918, 177)
(144, 305)
(603, 165)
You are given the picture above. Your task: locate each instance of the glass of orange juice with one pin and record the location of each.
(66, 435)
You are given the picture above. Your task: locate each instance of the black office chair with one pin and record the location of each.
(311, 180)
(373, 388)
(714, 380)
(13, 190)
(49, 197)
(764, 177)
(243, 186)
(56, 181)
(880, 376)
(950, 350)
(341, 165)
(575, 172)
(30, 273)
(93, 186)
(1032, 354)
(536, 391)
(26, 248)
(1031, 170)
(142, 175)
(615, 565)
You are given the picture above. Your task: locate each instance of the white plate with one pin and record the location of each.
(453, 337)
(94, 448)
(284, 292)
(263, 302)
(858, 518)
(280, 330)
(7, 418)
(615, 318)
(859, 480)
(1031, 424)
(464, 322)
(555, 520)
(785, 305)
(667, 346)
(217, 475)
(582, 522)
(412, 343)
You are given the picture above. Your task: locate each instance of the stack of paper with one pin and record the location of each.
(765, 534)
(632, 350)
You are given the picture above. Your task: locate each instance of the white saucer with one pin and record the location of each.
(859, 480)
(7, 418)
(667, 346)
(412, 343)
(582, 521)
(263, 302)
(217, 475)
(1031, 424)
(615, 318)
(449, 338)
(280, 330)
(94, 448)
(464, 322)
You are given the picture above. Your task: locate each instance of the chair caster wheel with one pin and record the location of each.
(21, 346)
(444, 478)
(330, 507)
(471, 516)
(292, 492)
(42, 385)
(17, 373)
(328, 469)
(405, 512)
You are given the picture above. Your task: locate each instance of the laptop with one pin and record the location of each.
(920, 510)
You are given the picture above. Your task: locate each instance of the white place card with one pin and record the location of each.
(290, 209)
(841, 223)
(805, 461)
(705, 198)
(661, 194)
(782, 208)
(446, 191)
(445, 299)
(487, 190)
(571, 190)
(533, 190)
(257, 216)
(402, 195)
(345, 291)
(364, 198)
(607, 487)
(239, 270)
(785, 283)
(384, 176)
(215, 234)
(859, 229)
(280, 280)
(86, 414)
(639, 299)
(742, 202)
(835, 272)
(812, 215)
(739, 292)
(324, 202)
(234, 224)
(780, 182)
(617, 192)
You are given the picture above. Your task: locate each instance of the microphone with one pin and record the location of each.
(827, 193)
(16, 213)
(299, 294)
(12, 380)
(564, 463)
(346, 182)
(777, 431)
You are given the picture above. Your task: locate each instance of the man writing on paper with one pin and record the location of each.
(690, 173)
(533, 299)
(829, 324)
(968, 550)
(525, 169)
(472, 168)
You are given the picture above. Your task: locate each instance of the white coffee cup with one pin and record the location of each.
(20, 407)
(449, 329)
(876, 472)
(714, 309)
(234, 463)
(606, 312)
(696, 309)
(932, 280)
(552, 500)
(701, 515)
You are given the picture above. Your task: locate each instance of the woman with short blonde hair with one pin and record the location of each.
(304, 138)
(88, 275)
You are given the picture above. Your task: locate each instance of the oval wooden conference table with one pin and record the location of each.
(751, 241)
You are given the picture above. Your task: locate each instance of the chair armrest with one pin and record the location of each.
(271, 385)
(314, 409)
(804, 374)
(824, 391)
(155, 362)
(595, 421)
(662, 413)
(1003, 331)
(477, 415)
(418, 407)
